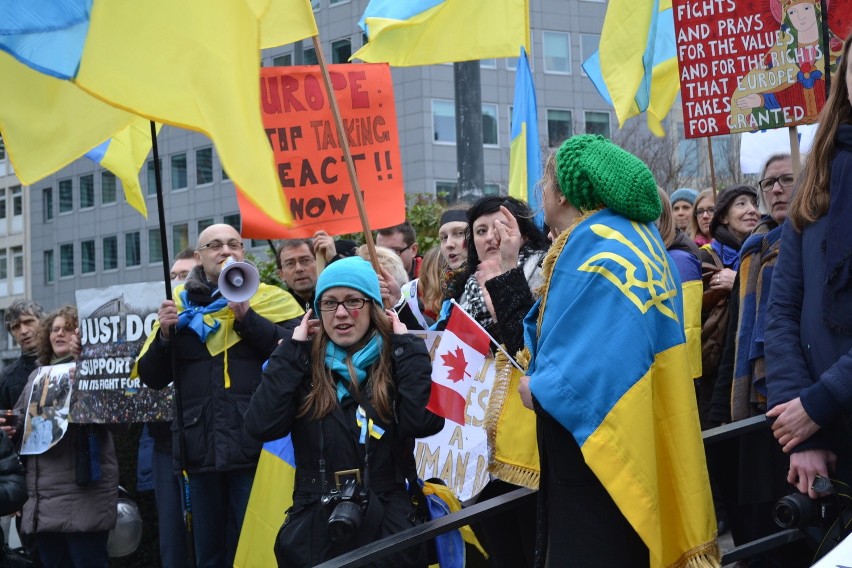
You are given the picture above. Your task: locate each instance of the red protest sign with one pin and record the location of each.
(750, 65)
(309, 159)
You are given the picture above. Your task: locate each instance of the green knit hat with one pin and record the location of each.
(592, 171)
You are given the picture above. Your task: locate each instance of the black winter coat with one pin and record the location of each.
(212, 413)
(13, 487)
(303, 540)
(14, 378)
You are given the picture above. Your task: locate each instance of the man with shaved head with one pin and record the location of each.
(220, 346)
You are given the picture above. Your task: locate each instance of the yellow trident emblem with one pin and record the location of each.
(658, 285)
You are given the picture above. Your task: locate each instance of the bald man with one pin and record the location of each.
(221, 346)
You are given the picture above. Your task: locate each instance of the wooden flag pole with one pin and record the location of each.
(347, 154)
(795, 153)
(712, 166)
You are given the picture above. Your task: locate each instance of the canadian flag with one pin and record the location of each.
(460, 355)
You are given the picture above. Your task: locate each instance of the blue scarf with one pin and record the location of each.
(194, 316)
(729, 255)
(335, 359)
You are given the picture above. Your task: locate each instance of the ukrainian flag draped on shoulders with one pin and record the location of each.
(608, 362)
(269, 302)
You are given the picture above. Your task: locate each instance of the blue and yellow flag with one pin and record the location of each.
(426, 32)
(635, 69)
(525, 151)
(271, 496)
(608, 362)
(192, 64)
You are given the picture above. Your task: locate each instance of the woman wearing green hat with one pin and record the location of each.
(351, 388)
(619, 440)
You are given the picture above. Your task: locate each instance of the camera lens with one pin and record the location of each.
(785, 515)
(795, 510)
(344, 521)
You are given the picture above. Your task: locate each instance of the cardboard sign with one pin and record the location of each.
(458, 454)
(308, 154)
(750, 65)
(114, 324)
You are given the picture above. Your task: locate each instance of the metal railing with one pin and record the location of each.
(429, 530)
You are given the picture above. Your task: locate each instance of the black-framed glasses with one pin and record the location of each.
(348, 304)
(785, 181)
(292, 263)
(702, 211)
(400, 251)
(215, 245)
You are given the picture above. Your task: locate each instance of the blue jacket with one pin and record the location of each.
(804, 357)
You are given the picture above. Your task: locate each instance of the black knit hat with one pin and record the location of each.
(724, 201)
(592, 171)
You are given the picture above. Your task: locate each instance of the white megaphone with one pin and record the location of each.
(238, 280)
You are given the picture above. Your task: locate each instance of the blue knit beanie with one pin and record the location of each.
(683, 194)
(352, 272)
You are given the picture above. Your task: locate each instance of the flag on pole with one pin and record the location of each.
(459, 357)
(635, 69)
(426, 32)
(193, 64)
(525, 151)
(271, 496)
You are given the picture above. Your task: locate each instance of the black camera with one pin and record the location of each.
(798, 510)
(347, 505)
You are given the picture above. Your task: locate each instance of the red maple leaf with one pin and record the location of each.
(455, 361)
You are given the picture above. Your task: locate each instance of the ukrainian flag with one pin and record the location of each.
(426, 32)
(608, 361)
(271, 496)
(192, 64)
(635, 69)
(525, 151)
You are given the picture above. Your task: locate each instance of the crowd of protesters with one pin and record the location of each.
(329, 360)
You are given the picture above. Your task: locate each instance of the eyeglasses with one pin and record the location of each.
(291, 264)
(57, 329)
(400, 251)
(785, 181)
(348, 304)
(233, 244)
(707, 210)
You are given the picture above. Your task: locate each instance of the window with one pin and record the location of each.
(17, 262)
(178, 171)
(444, 121)
(108, 188)
(2, 204)
(152, 178)
(180, 237)
(488, 63)
(285, 60)
(202, 224)
(17, 201)
(87, 257)
(315, 4)
(155, 246)
(4, 264)
(66, 196)
(47, 203)
(559, 126)
(49, 268)
(341, 50)
(203, 166)
(234, 221)
(2, 149)
(110, 252)
(132, 255)
(557, 53)
(66, 260)
(597, 123)
(489, 125)
(87, 191)
(333, 2)
(447, 189)
(225, 176)
(512, 62)
(588, 46)
(309, 56)
(491, 189)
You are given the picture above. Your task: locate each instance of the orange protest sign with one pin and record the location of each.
(310, 163)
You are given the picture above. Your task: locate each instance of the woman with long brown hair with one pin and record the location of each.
(351, 388)
(809, 327)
